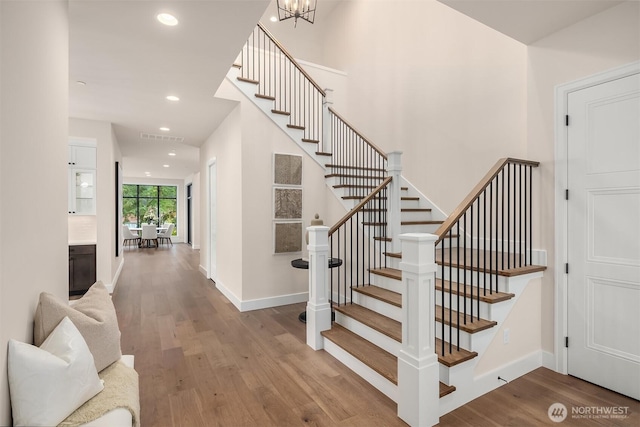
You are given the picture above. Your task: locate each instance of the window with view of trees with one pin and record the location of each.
(149, 204)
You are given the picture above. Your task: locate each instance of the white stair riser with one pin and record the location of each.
(372, 377)
(415, 216)
(386, 283)
(381, 307)
(381, 340)
(485, 309)
(473, 342)
(419, 228)
(469, 277)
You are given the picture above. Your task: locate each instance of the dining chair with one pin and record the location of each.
(149, 233)
(129, 236)
(166, 235)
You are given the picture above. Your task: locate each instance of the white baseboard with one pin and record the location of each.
(260, 303)
(230, 295)
(549, 361)
(195, 247)
(276, 301)
(489, 381)
(114, 282)
(203, 270)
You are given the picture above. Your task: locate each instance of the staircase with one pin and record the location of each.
(483, 254)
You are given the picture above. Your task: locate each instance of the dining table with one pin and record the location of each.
(159, 229)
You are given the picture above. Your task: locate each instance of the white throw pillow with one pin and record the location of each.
(48, 383)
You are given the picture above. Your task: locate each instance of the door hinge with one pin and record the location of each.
(566, 342)
(566, 194)
(566, 120)
(566, 268)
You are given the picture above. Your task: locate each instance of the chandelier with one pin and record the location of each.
(304, 9)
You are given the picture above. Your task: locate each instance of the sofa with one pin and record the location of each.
(74, 374)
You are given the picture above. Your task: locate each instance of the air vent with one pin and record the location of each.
(161, 138)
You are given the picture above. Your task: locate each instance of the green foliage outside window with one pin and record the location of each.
(149, 204)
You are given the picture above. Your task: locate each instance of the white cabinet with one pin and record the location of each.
(81, 156)
(82, 180)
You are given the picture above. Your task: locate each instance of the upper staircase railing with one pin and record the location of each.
(281, 79)
(489, 234)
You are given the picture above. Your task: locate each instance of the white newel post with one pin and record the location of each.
(418, 370)
(394, 169)
(318, 307)
(326, 120)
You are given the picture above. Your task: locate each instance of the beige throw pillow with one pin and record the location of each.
(95, 317)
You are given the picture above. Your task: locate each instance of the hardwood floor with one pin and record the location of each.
(203, 363)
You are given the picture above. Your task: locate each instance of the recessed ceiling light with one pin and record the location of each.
(165, 166)
(173, 98)
(273, 19)
(173, 153)
(167, 19)
(147, 173)
(165, 129)
(81, 83)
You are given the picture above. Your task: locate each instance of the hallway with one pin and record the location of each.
(203, 363)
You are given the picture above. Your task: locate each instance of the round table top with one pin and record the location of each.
(304, 263)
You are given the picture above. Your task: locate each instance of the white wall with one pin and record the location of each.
(247, 266)
(429, 81)
(33, 171)
(225, 145)
(606, 40)
(108, 152)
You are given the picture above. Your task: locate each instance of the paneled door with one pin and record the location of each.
(604, 235)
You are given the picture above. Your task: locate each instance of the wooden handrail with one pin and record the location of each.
(448, 224)
(288, 55)
(375, 147)
(360, 205)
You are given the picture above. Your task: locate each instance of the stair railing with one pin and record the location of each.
(359, 241)
(280, 78)
(358, 163)
(489, 233)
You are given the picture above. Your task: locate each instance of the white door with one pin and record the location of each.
(604, 235)
(213, 222)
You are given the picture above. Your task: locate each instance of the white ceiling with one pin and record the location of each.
(130, 62)
(529, 20)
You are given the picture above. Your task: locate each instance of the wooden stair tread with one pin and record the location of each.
(374, 320)
(404, 188)
(472, 324)
(267, 97)
(321, 153)
(236, 65)
(382, 362)
(415, 210)
(453, 357)
(426, 222)
(376, 224)
(394, 254)
(379, 293)
(382, 239)
(368, 353)
(392, 273)
(442, 258)
(311, 141)
(243, 79)
(290, 126)
(354, 186)
(446, 389)
(346, 175)
(489, 298)
(283, 113)
(329, 165)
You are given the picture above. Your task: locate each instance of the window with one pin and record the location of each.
(149, 204)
